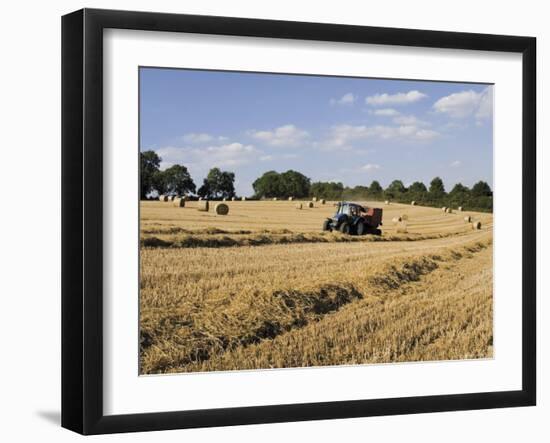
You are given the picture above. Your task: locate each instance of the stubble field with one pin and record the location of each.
(263, 287)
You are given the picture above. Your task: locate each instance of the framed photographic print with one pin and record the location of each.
(269, 221)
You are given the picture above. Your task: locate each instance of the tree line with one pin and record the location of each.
(176, 180)
(221, 184)
(295, 184)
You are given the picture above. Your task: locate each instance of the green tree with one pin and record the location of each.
(177, 180)
(481, 189)
(437, 189)
(268, 185)
(459, 189)
(396, 187)
(328, 190)
(294, 184)
(418, 188)
(204, 191)
(149, 163)
(218, 184)
(288, 184)
(358, 192)
(375, 189)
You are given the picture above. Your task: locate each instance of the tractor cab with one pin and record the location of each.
(354, 219)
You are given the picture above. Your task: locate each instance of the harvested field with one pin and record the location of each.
(263, 287)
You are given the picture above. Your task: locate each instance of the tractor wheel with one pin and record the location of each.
(326, 225)
(344, 228)
(377, 232)
(361, 228)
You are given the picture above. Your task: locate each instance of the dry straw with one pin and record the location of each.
(404, 217)
(401, 228)
(203, 205)
(221, 209)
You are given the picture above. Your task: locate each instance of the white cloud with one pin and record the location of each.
(386, 112)
(456, 164)
(285, 136)
(201, 159)
(409, 120)
(343, 136)
(266, 158)
(485, 110)
(290, 156)
(370, 167)
(459, 104)
(401, 98)
(426, 134)
(467, 103)
(201, 137)
(346, 99)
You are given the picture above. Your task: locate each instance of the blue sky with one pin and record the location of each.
(352, 130)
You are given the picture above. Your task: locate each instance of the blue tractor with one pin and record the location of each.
(354, 219)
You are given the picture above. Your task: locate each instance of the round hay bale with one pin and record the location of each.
(274, 199)
(404, 217)
(387, 202)
(221, 209)
(233, 199)
(323, 201)
(413, 203)
(203, 205)
(161, 198)
(243, 199)
(444, 209)
(449, 211)
(401, 228)
(476, 225)
(179, 202)
(310, 204)
(290, 199)
(396, 220)
(224, 199)
(200, 199)
(467, 219)
(298, 206)
(460, 209)
(314, 199)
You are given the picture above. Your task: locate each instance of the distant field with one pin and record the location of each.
(263, 287)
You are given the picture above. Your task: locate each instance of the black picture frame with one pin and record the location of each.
(82, 218)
